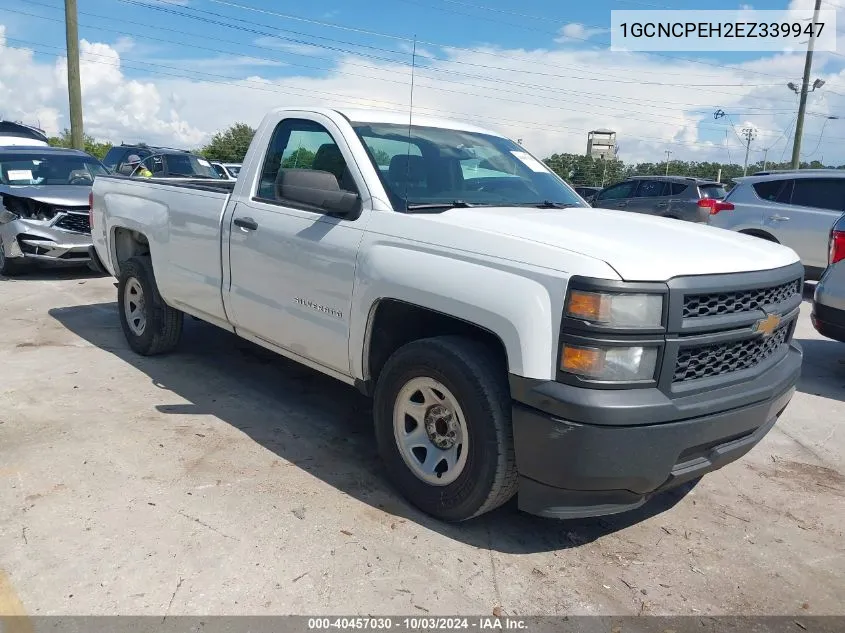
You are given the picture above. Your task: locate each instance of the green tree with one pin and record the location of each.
(382, 157)
(92, 146)
(302, 158)
(230, 145)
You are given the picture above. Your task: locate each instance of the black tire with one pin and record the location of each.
(477, 378)
(163, 326)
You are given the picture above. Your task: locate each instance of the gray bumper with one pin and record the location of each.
(35, 240)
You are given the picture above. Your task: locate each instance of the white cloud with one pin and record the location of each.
(746, 7)
(548, 98)
(289, 47)
(577, 32)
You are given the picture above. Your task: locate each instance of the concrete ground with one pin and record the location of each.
(224, 480)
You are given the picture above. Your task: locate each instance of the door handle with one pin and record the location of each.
(248, 224)
(622, 204)
(778, 218)
(662, 205)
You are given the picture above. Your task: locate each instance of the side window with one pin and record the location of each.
(822, 193)
(676, 188)
(153, 164)
(298, 144)
(113, 157)
(651, 189)
(771, 190)
(219, 169)
(617, 192)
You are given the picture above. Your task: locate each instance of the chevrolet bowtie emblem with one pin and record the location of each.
(768, 325)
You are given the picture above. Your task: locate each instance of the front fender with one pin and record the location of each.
(519, 304)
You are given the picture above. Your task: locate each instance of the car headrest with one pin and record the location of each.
(406, 168)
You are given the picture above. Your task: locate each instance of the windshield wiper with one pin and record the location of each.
(461, 204)
(548, 204)
(545, 204)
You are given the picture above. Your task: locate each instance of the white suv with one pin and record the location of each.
(794, 208)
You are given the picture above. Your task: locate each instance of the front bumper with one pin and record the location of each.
(592, 463)
(26, 240)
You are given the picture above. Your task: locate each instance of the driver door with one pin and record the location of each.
(292, 267)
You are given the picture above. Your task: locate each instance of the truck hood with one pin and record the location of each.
(54, 195)
(638, 247)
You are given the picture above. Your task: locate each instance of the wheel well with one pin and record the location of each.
(396, 323)
(761, 234)
(129, 243)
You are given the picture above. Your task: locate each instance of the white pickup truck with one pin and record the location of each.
(515, 340)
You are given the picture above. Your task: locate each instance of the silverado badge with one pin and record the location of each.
(767, 326)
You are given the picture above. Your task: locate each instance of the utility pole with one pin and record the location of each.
(74, 87)
(749, 135)
(765, 158)
(668, 153)
(805, 82)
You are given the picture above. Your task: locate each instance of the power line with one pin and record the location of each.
(451, 61)
(438, 70)
(440, 88)
(367, 102)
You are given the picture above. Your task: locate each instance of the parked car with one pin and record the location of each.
(793, 207)
(171, 162)
(227, 171)
(675, 197)
(828, 314)
(588, 193)
(168, 164)
(45, 204)
(515, 340)
(14, 133)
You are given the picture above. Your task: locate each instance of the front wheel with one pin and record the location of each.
(149, 324)
(443, 425)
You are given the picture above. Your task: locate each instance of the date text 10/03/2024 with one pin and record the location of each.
(417, 623)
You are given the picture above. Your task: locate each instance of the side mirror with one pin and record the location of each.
(317, 189)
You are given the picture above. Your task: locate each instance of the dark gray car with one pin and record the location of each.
(677, 197)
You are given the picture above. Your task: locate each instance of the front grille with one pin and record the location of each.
(706, 361)
(76, 222)
(720, 303)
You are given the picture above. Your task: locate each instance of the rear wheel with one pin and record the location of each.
(149, 324)
(443, 424)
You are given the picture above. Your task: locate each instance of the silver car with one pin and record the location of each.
(678, 197)
(44, 213)
(828, 314)
(795, 208)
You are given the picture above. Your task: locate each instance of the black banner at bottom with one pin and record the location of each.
(308, 624)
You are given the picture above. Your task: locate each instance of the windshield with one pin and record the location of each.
(46, 169)
(438, 167)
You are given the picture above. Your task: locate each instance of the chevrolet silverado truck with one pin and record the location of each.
(515, 340)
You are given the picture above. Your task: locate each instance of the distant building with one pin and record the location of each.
(601, 144)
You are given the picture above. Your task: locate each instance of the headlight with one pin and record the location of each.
(616, 364)
(616, 309)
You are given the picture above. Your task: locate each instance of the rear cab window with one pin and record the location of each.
(715, 191)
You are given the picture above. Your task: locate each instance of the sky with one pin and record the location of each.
(175, 72)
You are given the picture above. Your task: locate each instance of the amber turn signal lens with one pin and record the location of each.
(586, 361)
(588, 305)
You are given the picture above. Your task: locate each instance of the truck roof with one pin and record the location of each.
(367, 115)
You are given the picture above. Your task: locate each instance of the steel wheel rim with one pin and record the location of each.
(133, 307)
(430, 431)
